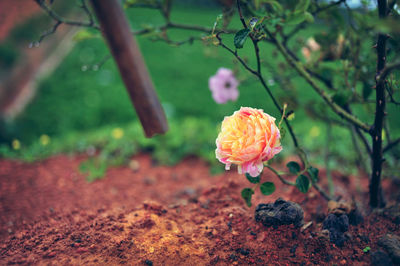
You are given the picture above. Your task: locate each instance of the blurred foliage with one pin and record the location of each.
(8, 55)
(115, 145)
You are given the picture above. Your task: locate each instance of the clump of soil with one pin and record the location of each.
(280, 212)
(153, 215)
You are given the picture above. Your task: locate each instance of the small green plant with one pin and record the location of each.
(366, 249)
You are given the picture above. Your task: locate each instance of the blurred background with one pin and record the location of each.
(65, 94)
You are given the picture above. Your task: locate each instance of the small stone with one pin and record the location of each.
(380, 258)
(391, 212)
(337, 226)
(148, 262)
(293, 250)
(391, 244)
(280, 212)
(134, 165)
(243, 251)
(339, 208)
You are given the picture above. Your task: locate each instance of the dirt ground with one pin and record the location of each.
(158, 215)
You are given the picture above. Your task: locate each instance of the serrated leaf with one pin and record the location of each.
(293, 167)
(253, 180)
(302, 183)
(313, 172)
(267, 188)
(240, 38)
(247, 193)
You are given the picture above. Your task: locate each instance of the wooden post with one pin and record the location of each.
(116, 30)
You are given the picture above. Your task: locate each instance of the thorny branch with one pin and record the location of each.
(376, 133)
(258, 73)
(381, 77)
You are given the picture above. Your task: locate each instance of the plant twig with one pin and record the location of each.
(62, 20)
(241, 15)
(381, 76)
(360, 160)
(364, 140)
(283, 180)
(391, 145)
(48, 32)
(194, 28)
(246, 66)
(89, 14)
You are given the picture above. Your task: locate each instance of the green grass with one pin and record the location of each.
(72, 102)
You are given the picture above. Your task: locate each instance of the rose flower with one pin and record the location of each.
(223, 86)
(248, 138)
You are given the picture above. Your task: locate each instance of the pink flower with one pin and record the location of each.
(223, 86)
(248, 138)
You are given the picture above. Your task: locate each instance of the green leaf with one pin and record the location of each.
(275, 4)
(309, 17)
(302, 183)
(302, 6)
(293, 167)
(240, 38)
(295, 18)
(267, 188)
(366, 249)
(313, 172)
(254, 180)
(247, 193)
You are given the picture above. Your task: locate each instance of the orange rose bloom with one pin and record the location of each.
(248, 138)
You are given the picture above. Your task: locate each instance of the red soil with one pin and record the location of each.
(176, 215)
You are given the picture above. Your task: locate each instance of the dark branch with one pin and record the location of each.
(375, 189)
(235, 54)
(195, 28)
(241, 15)
(386, 71)
(391, 145)
(48, 32)
(62, 20)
